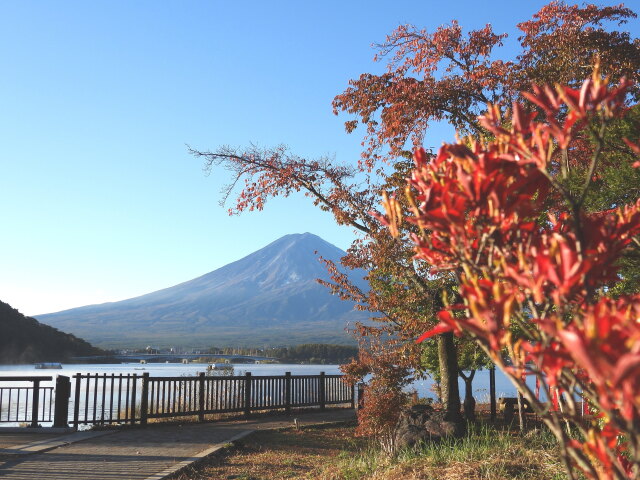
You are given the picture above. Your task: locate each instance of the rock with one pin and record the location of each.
(422, 423)
(410, 435)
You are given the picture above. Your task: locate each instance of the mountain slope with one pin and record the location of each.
(25, 340)
(270, 296)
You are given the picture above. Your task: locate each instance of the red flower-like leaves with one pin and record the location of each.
(482, 212)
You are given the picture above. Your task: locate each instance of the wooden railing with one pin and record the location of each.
(105, 399)
(27, 402)
(108, 399)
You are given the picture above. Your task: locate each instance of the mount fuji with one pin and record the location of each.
(268, 297)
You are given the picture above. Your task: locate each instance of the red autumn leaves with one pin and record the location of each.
(533, 267)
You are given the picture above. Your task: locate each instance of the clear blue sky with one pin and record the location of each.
(99, 198)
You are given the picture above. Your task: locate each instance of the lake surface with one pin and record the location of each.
(504, 388)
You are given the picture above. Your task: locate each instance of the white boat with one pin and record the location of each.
(219, 366)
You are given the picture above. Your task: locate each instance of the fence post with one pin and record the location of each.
(360, 396)
(322, 391)
(492, 392)
(76, 402)
(144, 401)
(63, 393)
(353, 396)
(133, 398)
(287, 392)
(201, 396)
(35, 404)
(247, 393)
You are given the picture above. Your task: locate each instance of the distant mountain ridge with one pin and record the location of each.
(270, 296)
(25, 340)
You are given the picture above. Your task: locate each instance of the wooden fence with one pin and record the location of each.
(108, 399)
(26, 402)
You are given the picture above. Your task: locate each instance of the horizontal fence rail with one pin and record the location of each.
(27, 402)
(109, 398)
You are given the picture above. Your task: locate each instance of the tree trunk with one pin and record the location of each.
(469, 403)
(448, 362)
(520, 412)
(492, 392)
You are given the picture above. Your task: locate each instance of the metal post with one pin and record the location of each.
(63, 393)
(76, 403)
(144, 401)
(287, 392)
(353, 395)
(360, 396)
(247, 394)
(133, 398)
(322, 391)
(35, 403)
(492, 392)
(201, 396)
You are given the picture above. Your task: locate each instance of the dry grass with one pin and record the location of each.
(515, 461)
(334, 453)
(281, 454)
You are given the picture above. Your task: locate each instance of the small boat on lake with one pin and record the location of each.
(48, 365)
(219, 366)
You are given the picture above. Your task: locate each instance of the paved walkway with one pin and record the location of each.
(149, 453)
(13, 439)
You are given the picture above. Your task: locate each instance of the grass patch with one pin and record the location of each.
(332, 452)
(485, 454)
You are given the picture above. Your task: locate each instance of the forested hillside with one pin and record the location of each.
(25, 340)
(316, 353)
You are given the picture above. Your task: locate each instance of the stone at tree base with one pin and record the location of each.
(422, 423)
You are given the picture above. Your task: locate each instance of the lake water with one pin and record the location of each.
(504, 388)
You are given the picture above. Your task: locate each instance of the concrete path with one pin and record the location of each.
(27, 443)
(15, 438)
(150, 453)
